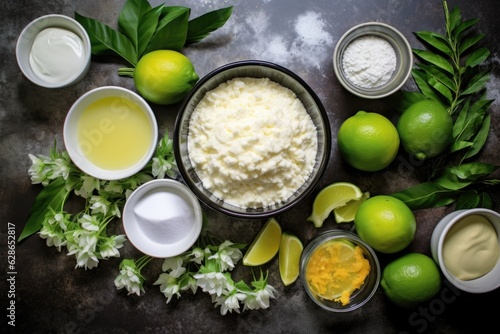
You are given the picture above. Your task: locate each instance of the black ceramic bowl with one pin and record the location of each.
(253, 69)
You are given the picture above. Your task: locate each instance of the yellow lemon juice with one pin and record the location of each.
(114, 133)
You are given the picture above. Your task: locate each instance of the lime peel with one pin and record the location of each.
(346, 213)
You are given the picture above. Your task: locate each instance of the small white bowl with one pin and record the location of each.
(402, 49)
(74, 147)
(485, 283)
(162, 218)
(30, 32)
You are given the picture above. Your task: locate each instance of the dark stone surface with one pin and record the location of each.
(53, 297)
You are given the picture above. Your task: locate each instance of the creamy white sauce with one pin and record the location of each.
(57, 55)
(470, 249)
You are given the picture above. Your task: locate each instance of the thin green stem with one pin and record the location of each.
(126, 72)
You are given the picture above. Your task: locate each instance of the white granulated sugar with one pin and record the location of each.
(369, 61)
(252, 142)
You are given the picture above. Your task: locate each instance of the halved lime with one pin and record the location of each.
(346, 213)
(289, 257)
(265, 245)
(333, 196)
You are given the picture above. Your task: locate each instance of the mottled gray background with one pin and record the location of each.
(53, 297)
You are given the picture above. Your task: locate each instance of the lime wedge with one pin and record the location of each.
(333, 196)
(289, 257)
(346, 213)
(265, 245)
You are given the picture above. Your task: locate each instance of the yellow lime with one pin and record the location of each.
(331, 197)
(289, 257)
(336, 269)
(346, 213)
(425, 129)
(411, 279)
(368, 141)
(164, 76)
(385, 223)
(265, 245)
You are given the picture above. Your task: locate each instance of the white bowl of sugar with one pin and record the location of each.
(162, 218)
(372, 60)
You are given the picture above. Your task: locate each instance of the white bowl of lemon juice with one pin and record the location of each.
(110, 133)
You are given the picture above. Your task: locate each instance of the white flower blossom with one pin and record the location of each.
(89, 184)
(259, 299)
(54, 236)
(198, 254)
(175, 265)
(90, 223)
(129, 278)
(60, 168)
(169, 286)
(212, 282)
(99, 204)
(229, 302)
(110, 246)
(228, 256)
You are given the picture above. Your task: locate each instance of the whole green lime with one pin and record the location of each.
(411, 279)
(368, 141)
(425, 129)
(385, 223)
(164, 76)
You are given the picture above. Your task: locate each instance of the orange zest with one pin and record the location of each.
(336, 269)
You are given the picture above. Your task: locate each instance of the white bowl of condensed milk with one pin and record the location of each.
(466, 245)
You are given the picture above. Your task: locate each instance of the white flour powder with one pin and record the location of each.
(369, 61)
(252, 142)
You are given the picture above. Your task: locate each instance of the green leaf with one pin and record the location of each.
(485, 201)
(51, 196)
(467, 200)
(460, 145)
(442, 89)
(401, 100)
(477, 83)
(463, 27)
(472, 170)
(471, 121)
(106, 41)
(130, 18)
(469, 42)
(436, 41)
(202, 26)
(421, 80)
(439, 75)
(454, 18)
(426, 195)
(171, 32)
(434, 59)
(480, 138)
(449, 180)
(477, 57)
(147, 27)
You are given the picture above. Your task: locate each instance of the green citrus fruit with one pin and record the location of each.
(164, 76)
(410, 280)
(425, 129)
(368, 141)
(385, 223)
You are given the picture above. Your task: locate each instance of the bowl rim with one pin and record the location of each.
(71, 144)
(45, 21)
(467, 285)
(352, 89)
(333, 234)
(135, 234)
(321, 164)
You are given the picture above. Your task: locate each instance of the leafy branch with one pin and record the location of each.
(143, 29)
(450, 72)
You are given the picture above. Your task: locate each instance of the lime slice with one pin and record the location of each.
(346, 213)
(331, 197)
(289, 257)
(265, 246)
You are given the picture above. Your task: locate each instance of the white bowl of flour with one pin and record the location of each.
(252, 139)
(372, 60)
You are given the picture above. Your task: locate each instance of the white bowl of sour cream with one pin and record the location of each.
(162, 218)
(54, 51)
(466, 245)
